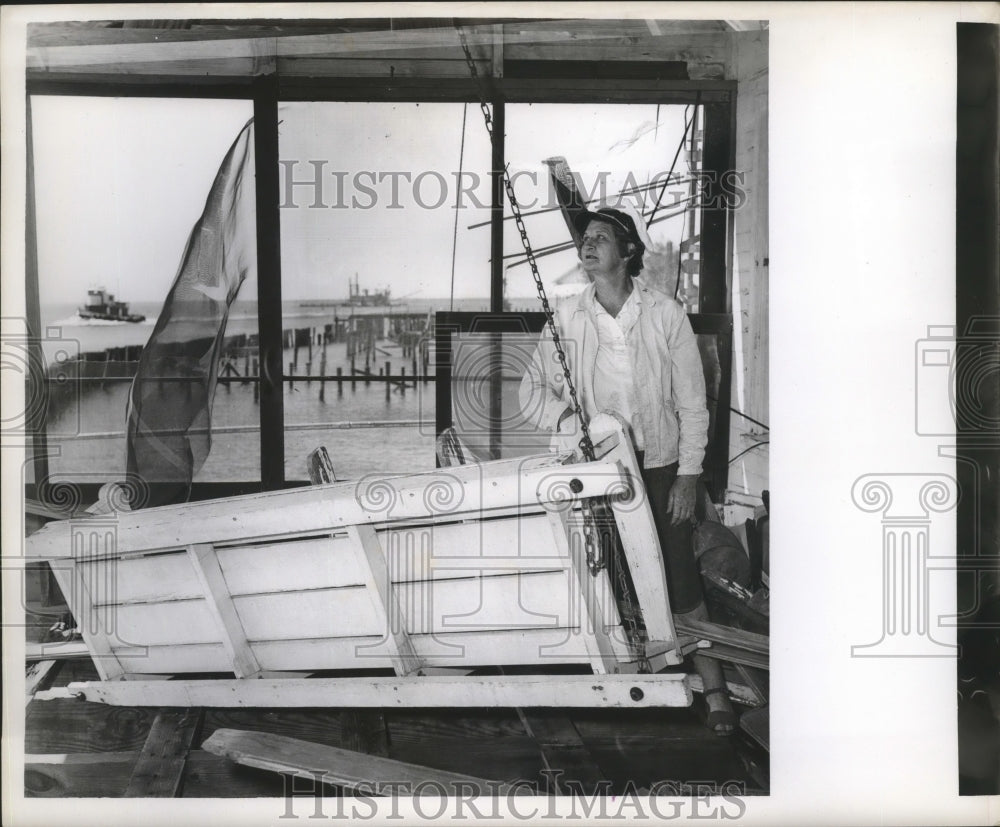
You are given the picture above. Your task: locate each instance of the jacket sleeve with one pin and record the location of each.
(541, 391)
(687, 383)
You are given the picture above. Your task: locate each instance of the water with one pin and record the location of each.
(365, 429)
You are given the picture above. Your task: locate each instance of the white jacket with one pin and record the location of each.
(666, 365)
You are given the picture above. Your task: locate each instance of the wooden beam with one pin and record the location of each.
(157, 773)
(384, 600)
(56, 650)
(396, 43)
(276, 514)
(269, 322)
(90, 620)
(619, 691)
(641, 544)
(373, 775)
(589, 615)
(39, 675)
(220, 603)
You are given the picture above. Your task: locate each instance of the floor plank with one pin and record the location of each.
(158, 772)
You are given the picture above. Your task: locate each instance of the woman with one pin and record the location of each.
(632, 354)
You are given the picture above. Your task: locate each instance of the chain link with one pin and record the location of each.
(598, 523)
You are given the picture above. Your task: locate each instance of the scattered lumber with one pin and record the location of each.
(370, 774)
(160, 766)
(733, 645)
(38, 675)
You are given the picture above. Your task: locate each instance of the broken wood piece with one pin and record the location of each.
(756, 724)
(157, 773)
(370, 774)
(739, 639)
(320, 467)
(38, 675)
(57, 650)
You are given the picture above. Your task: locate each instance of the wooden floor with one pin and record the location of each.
(76, 748)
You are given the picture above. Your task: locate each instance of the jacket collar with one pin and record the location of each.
(588, 296)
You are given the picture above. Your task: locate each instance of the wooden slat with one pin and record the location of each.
(590, 617)
(564, 753)
(717, 633)
(641, 544)
(57, 651)
(158, 771)
(91, 624)
(533, 600)
(39, 675)
(220, 605)
(622, 691)
(344, 768)
(464, 490)
(442, 649)
(384, 601)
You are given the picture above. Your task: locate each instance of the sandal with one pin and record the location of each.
(722, 722)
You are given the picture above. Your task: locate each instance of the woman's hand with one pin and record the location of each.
(680, 502)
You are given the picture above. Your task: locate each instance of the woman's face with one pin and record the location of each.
(599, 250)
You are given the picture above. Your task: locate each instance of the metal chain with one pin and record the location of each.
(598, 525)
(586, 444)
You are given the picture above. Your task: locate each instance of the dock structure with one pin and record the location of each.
(366, 338)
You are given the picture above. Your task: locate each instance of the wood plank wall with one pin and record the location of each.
(748, 476)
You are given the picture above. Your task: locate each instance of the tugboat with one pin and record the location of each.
(102, 305)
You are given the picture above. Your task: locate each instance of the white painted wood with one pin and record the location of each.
(321, 562)
(513, 647)
(219, 603)
(642, 548)
(462, 492)
(580, 585)
(93, 623)
(345, 768)
(621, 691)
(395, 639)
(35, 674)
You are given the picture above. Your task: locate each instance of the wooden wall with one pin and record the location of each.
(748, 476)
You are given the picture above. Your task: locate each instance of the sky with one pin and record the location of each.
(120, 182)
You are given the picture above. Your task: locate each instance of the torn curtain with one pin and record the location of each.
(170, 401)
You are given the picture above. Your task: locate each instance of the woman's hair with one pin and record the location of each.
(633, 264)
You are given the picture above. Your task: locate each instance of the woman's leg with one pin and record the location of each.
(685, 592)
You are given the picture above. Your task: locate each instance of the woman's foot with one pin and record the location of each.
(722, 719)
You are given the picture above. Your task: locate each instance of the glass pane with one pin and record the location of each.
(622, 155)
(486, 372)
(380, 203)
(119, 186)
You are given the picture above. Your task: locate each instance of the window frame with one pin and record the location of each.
(267, 92)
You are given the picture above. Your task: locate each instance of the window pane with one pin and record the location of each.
(618, 152)
(486, 373)
(119, 185)
(371, 246)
